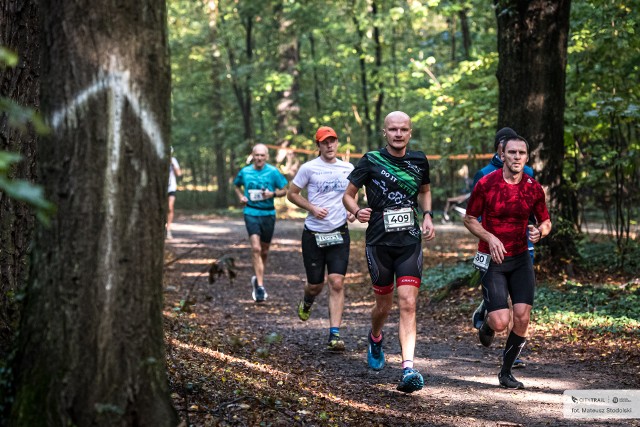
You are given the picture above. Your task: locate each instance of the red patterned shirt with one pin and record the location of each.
(505, 209)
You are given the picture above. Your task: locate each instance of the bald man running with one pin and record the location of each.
(256, 186)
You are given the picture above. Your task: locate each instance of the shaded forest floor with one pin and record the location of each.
(233, 362)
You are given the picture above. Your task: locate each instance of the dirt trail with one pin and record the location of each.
(311, 387)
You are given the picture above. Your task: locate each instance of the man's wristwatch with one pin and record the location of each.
(424, 214)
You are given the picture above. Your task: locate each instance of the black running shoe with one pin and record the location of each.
(479, 315)
(508, 381)
(486, 334)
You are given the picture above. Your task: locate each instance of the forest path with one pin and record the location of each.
(281, 375)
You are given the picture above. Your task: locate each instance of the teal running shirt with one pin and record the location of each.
(254, 181)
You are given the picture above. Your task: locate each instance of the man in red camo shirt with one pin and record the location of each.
(505, 199)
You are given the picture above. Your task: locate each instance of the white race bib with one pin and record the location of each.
(481, 261)
(256, 195)
(398, 219)
(329, 239)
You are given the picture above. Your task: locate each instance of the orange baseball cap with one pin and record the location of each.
(325, 132)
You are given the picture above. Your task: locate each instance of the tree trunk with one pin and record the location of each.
(91, 348)
(466, 33)
(18, 32)
(532, 47)
(217, 117)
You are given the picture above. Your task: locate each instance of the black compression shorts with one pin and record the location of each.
(405, 262)
(514, 277)
(334, 257)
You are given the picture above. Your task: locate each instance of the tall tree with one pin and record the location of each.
(217, 70)
(90, 348)
(532, 45)
(18, 32)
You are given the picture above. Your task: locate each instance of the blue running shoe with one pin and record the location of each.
(375, 354)
(411, 381)
(259, 293)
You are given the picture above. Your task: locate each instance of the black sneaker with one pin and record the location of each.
(478, 316)
(486, 334)
(508, 381)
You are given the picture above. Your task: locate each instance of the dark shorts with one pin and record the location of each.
(385, 262)
(171, 193)
(514, 277)
(334, 257)
(263, 226)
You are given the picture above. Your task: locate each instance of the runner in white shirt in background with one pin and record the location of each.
(325, 239)
(174, 172)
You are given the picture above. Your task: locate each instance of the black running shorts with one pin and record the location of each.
(335, 257)
(514, 277)
(385, 262)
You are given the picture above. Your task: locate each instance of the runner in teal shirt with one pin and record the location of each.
(256, 186)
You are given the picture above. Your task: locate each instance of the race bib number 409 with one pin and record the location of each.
(398, 219)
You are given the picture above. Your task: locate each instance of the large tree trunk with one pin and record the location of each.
(91, 348)
(532, 46)
(18, 32)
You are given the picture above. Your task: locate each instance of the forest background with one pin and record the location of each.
(272, 72)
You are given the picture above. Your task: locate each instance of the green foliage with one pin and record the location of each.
(452, 99)
(22, 190)
(605, 257)
(602, 308)
(441, 276)
(19, 117)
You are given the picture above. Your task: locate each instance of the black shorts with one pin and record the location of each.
(263, 226)
(334, 257)
(514, 277)
(171, 193)
(385, 262)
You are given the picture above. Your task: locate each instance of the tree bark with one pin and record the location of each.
(532, 47)
(91, 348)
(19, 33)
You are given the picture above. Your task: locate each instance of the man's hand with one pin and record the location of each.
(363, 215)
(534, 234)
(243, 200)
(319, 212)
(496, 249)
(428, 231)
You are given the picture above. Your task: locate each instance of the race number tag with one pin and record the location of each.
(256, 195)
(328, 239)
(481, 261)
(398, 219)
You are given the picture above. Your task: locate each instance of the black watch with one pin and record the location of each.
(427, 212)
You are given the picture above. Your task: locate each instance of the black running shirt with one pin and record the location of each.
(391, 182)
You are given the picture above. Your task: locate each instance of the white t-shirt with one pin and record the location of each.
(326, 184)
(173, 183)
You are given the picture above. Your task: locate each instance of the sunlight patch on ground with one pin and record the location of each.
(261, 369)
(200, 229)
